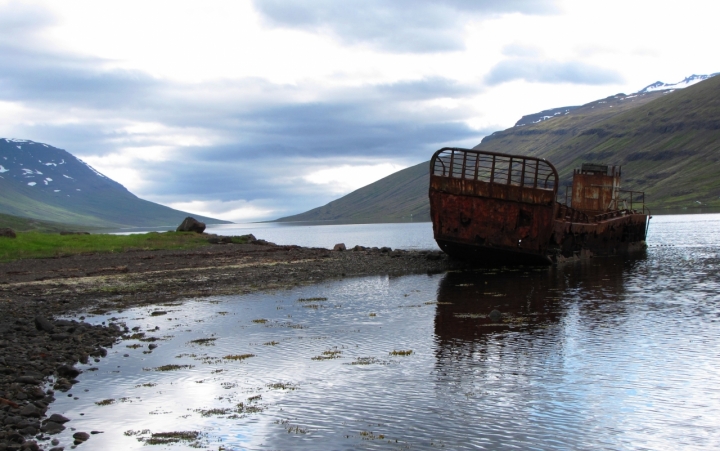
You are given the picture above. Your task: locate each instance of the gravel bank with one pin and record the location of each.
(38, 351)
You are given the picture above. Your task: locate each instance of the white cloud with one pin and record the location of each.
(235, 211)
(346, 178)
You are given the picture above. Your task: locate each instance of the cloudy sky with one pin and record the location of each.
(254, 109)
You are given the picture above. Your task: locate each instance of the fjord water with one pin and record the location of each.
(401, 235)
(608, 354)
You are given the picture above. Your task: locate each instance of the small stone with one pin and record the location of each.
(57, 418)
(7, 233)
(68, 371)
(81, 437)
(495, 316)
(30, 410)
(30, 445)
(152, 346)
(27, 380)
(42, 323)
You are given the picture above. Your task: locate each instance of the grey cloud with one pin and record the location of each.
(267, 137)
(49, 78)
(431, 88)
(18, 19)
(415, 26)
(549, 71)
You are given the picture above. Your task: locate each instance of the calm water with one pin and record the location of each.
(407, 235)
(611, 354)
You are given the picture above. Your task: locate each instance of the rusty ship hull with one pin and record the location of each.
(500, 208)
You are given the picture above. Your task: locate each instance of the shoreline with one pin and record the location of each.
(37, 348)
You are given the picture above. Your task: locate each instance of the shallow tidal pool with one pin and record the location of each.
(608, 354)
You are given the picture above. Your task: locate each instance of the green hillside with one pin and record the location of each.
(19, 224)
(669, 147)
(668, 144)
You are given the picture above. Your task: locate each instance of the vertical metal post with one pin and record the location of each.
(492, 170)
(477, 165)
(452, 163)
(537, 168)
(509, 179)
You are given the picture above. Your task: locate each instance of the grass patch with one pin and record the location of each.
(401, 353)
(238, 356)
(105, 402)
(328, 355)
(282, 386)
(203, 341)
(44, 245)
(260, 321)
(312, 299)
(169, 368)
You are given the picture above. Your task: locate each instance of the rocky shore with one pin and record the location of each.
(38, 350)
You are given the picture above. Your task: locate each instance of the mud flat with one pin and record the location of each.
(38, 351)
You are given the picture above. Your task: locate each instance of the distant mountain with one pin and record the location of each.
(43, 182)
(666, 139)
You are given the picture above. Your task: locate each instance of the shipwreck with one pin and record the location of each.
(499, 208)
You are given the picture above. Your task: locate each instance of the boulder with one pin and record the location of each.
(7, 233)
(191, 225)
(41, 323)
(495, 316)
(339, 247)
(80, 437)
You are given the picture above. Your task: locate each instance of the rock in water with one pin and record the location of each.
(7, 232)
(339, 247)
(80, 437)
(495, 316)
(191, 225)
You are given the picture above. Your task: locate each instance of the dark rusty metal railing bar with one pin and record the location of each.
(452, 162)
(492, 170)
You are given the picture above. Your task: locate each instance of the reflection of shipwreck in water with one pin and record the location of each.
(523, 299)
(496, 207)
(526, 298)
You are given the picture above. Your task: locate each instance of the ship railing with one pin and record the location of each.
(633, 201)
(494, 167)
(570, 214)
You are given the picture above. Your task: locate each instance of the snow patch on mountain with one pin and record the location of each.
(2, 169)
(687, 81)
